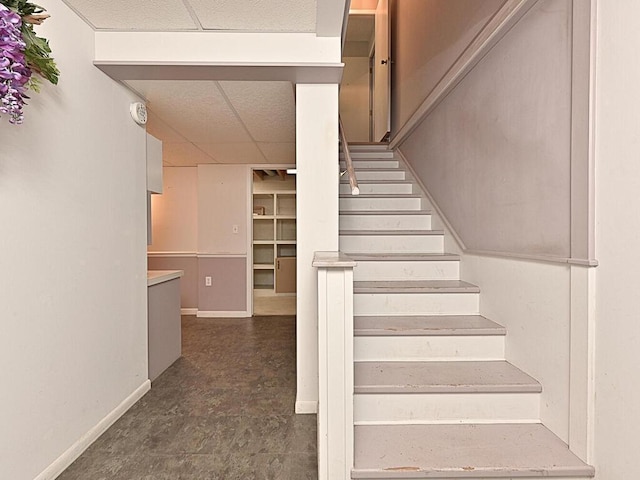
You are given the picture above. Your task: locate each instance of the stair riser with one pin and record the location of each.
(440, 348)
(385, 222)
(384, 175)
(362, 203)
(379, 188)
(373, 155)
(392, 243)
(392, 270)
(416, 303)
(446, 408)
(359, 164)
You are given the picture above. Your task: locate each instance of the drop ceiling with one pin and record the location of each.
(203, 122)
(221, 122)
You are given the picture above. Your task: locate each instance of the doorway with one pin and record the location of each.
(274, 241)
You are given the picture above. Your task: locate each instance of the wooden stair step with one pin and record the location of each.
(463, 451)
(415, 286)
(429, 325)
(442, 377)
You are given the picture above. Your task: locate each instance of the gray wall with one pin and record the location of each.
(188, 283)
(496, 152)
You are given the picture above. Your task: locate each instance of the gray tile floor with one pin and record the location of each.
(225, 410)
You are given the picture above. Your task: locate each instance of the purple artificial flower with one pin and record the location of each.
(14, 73)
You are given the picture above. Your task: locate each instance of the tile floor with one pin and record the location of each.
(225, 410)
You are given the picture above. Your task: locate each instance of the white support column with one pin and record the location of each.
(335, 344)
(317, 220)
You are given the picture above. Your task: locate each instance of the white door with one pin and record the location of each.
(381, 74)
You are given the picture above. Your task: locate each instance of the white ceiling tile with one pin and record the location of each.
(184, 155)
(266, 108)
(195, 109)
(159, 129)
(257, 15)
(234, 152)
(279, 152)
(134, 15)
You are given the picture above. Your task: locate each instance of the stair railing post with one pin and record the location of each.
(335, 372)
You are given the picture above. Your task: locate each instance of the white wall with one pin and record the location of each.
(532, 300)
(617, 407)
(354, 98)
(175, 212)
(73, 337)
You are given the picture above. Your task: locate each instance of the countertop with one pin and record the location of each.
(155, 277)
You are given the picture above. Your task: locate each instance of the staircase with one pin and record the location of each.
(434, 397)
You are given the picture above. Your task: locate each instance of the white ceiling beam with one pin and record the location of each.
(330, 16)
(294, 57)
(216, 47)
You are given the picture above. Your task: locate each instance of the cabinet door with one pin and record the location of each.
(286, 275)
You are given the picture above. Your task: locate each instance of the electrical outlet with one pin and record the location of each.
(207, 281)
(235, 229)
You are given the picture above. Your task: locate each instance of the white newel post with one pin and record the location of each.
(335, 351)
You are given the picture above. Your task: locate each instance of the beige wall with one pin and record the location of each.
(223, 193)
(192, 222)
(73, 309)
(617, 335)
(175, 212)
(427, 37)
(354, 99)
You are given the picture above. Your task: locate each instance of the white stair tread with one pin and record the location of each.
(463, 451)
(404, 257)
(430, 325)
(442, 377)
(415, 286)
(385, 212)
(382, 195)
(391, 232)
(379, 182)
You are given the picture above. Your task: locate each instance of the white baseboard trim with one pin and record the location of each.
(73, 452)
(221, 314)
(188, 311)
(306, 407)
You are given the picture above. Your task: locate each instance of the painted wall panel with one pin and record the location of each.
(495, 153)
(228, 290)
(73, 329)
(174, 214)
(427, 37)
(532, 300)
(223, 193)
(188, 283)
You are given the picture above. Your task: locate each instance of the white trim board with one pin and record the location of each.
(188, 311)
(84, 442)
(172, 254)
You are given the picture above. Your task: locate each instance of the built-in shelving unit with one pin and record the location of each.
(274, 233)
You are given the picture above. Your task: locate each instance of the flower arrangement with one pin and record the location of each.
(22, 53)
